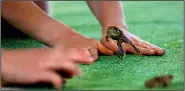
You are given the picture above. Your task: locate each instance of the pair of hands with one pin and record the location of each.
(28, 66)
(110, 47)
(31, 66)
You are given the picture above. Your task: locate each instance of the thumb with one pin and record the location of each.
(110, 44)
(102, 49)
(80, 55)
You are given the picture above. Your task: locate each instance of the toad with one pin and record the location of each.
(116, 34)
(161, 81)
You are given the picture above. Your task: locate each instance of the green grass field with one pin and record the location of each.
(160, 23)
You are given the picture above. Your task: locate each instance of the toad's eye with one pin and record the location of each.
(117, 32)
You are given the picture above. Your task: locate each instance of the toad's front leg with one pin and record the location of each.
(121, 53)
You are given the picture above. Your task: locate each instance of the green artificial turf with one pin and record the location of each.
(160, 23)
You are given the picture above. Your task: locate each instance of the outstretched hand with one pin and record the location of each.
(145, 47)
(83, 43)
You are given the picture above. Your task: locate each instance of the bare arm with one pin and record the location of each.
(108, 13)
(26, 16)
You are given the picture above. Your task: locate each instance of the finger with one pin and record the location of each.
(159, 51)
(142, 45)
(151, 45)
(67, 67)
(110, 44)
(103, 49)
(143, 51)
(80, 55)
(94, 53)
(145, 44)
(50, 77)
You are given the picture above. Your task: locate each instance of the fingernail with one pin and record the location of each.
(91, 59)
(87, 53)
(161, 50)
(94, 56)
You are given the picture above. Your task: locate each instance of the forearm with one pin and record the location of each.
(108, 13)
(3, 67)
(30, 19)
(94, 6)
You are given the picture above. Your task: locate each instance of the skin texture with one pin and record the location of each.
(31, 66)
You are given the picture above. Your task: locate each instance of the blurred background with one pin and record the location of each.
(155, 18)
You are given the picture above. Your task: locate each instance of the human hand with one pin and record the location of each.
(75, 40)
(145, 47)
(31, 66)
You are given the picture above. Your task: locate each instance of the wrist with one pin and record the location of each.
(64, 36)
(53, 33)
(119, 25)
(61, 37)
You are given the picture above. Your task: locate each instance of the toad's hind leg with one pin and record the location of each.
(133, 46)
